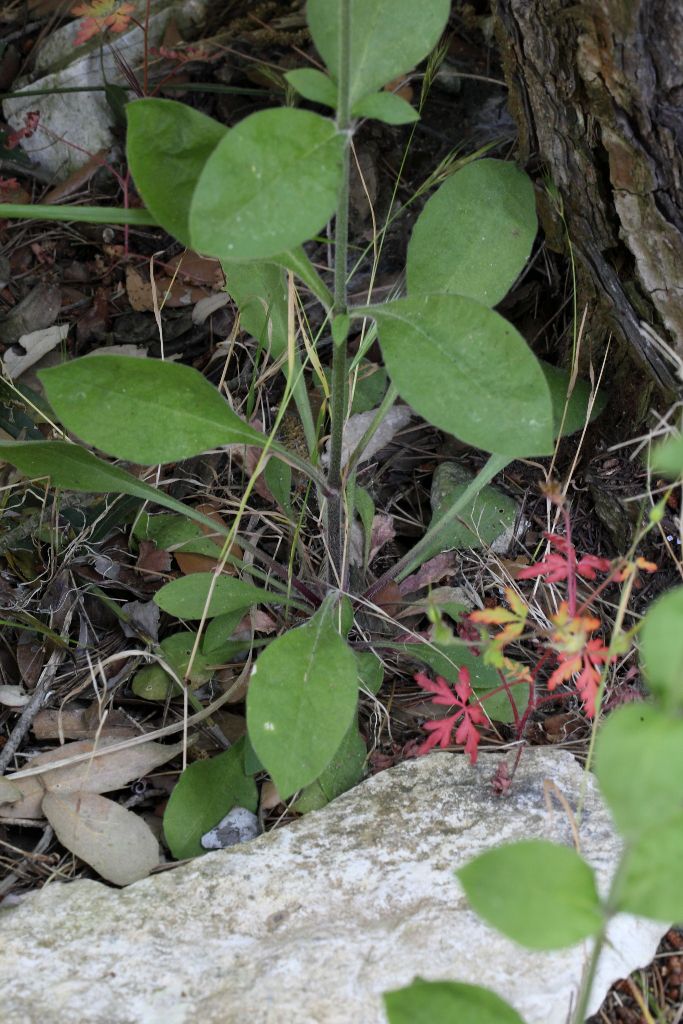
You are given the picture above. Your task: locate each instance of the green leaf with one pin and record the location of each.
(639, 764)
(72, 468)
(176, 533)
(388, 38)
(219, 631)
(370, 671)
(298, 262)
(667, 457)
(538, 893)
(369, 389)
(177, 650)
(143, 410)
(204, 794)
(386, 107)
(168, 144)
(278, 477)
(301, 701)
(313, 85)
(272, 183)
(661, 648)
(475, 234)
(576, 416)
(492, 513)
(152, 683)
(260, 293)
(649, 885)
(467, 371)
(365, 507)
(187, 596)
(344, 771)
(447, 1002)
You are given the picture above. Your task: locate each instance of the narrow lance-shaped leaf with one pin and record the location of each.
(72, 468)
(468, 371)
(388, 38)
(143, 410)
(167, 145)
(270, 184)
(474, 234)
(301, 701)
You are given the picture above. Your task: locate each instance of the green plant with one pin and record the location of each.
(251, 196)
(543, 895)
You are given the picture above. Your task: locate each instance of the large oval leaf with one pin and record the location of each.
(272, 183)
(388, 37)
(168, 144)
(538, 893)
(468, 371)
(205, 793)
(143, 410)
(187, 596)
(447, 1002)
(661, 645)
(639, 764)
(653, 862)
(301, 701)
(475, 234)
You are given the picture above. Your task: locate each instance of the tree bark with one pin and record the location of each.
(596, 88)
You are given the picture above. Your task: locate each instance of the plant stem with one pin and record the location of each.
(339, 388)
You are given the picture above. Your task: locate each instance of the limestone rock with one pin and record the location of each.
(313, 922)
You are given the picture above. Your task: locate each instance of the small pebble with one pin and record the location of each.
(239, 826)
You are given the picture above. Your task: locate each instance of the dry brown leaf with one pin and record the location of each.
(80, 724)
(77, 179)
(118, 844)
(152, 559)
(269, 796)
(197, 269)
(110, 771)
(97, 775)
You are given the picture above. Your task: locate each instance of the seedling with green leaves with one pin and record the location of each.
(252, 196)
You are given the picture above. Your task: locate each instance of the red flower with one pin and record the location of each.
(470, 714)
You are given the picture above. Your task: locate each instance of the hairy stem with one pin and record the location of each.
(339, 386)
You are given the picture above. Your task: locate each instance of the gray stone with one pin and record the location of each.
(313, 922)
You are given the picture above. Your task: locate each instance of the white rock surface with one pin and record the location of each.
(312, 923)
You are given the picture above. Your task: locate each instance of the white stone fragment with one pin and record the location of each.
(238, 826)
(313, 922)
